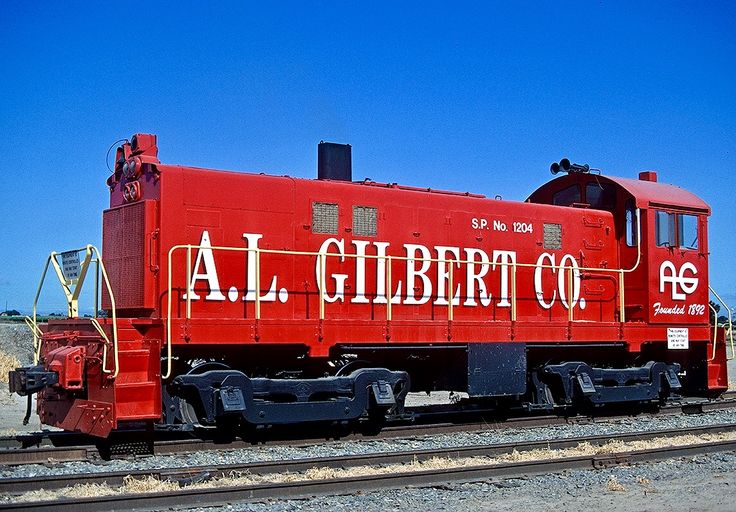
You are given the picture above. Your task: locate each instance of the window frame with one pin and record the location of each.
(631, 227)
(681, 231)
(604, 192)
(668, 238)
(559, 192)
(675, 225)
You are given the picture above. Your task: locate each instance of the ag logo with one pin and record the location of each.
(669, 274)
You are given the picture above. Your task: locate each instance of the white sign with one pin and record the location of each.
(678, 338)
(70, 266)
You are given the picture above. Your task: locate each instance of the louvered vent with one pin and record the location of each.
(123, 246)
(364, 220)
(324, 218)
(553, 236)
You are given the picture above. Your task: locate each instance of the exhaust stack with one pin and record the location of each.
(334, 161)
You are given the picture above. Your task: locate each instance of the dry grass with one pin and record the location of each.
(149, 484)
(239, 479)
(614, 485)
(130, 486)
(7, 363)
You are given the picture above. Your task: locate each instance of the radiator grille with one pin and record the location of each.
(123, 246)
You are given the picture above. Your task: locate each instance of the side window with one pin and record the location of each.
(665, 227)
(688, 233)
(632, 229)
(600, 197)
(567, 196)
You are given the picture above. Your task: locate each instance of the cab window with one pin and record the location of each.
(688, 231)
(632, 229)
(600, 197)
(665, 228)
(567, 196)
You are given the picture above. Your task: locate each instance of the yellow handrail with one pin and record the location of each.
(72, 290)
(730, 322)
(389, 292)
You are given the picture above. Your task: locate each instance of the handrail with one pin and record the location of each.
(72, 290)
(37, 334)
(388, 291)
(715, 331)
(638, 244)
(730, 322)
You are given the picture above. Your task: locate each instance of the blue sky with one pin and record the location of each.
(477, 96)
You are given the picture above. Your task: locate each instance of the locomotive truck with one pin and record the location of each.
(243, 299)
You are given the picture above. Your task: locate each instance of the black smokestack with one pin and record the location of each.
(334, 161)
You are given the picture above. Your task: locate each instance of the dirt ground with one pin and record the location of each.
(16, 346)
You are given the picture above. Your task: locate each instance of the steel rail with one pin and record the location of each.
(347, 485)
(41, 448)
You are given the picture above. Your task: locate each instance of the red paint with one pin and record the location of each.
(184, 205)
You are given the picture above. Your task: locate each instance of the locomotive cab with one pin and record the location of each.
(661, 237)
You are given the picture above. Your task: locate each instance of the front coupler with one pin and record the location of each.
(31, 379)
(218, 394)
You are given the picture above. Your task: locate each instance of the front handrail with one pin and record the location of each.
(730, 323)
(37, 334)
(72, 291)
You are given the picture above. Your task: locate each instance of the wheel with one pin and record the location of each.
(177, 408)
(350, 367)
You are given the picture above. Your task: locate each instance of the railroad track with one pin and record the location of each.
(54, 447)
(300, 485)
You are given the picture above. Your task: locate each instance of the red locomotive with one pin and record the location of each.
(250, 299)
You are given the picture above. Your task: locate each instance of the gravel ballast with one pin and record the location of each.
(367, 445)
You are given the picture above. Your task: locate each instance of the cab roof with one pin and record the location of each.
(646, 191)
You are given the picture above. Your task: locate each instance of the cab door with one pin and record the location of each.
(678, 269)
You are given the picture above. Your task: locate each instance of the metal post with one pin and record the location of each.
(513, 291)
(257, 284)
(322, 260)
(570, 293)
(388, 288)
(189, 282)
(97, 286)
(622, 303)
(450, 292)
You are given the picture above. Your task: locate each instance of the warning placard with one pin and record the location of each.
(678, 338)
(70, 266)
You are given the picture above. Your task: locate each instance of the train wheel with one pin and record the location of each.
(349, 367)
(187, 411)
